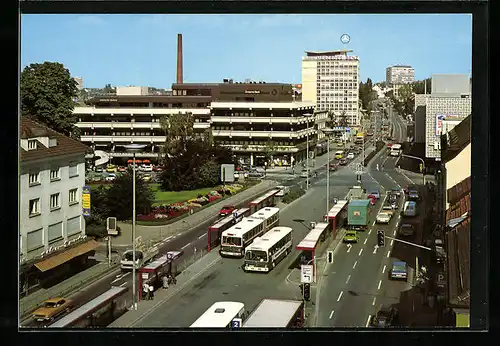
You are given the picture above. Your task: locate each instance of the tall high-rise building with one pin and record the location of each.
(79, 82)
(399, 74)
(330, 79)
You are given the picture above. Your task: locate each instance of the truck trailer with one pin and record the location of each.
(357, 214)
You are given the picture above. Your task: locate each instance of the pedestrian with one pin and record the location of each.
(145, 291)
(151, 292)
(174, 280)
(165, 282)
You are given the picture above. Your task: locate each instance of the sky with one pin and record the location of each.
(142, 49)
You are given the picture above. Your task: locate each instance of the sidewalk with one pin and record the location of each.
(145, 307)
(148, 233)
(66, 287)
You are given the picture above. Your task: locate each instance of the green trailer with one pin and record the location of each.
(357, 214)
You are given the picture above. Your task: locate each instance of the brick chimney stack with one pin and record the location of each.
(179, 58)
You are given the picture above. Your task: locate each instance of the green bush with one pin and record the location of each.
(97, 230)
(293, 194)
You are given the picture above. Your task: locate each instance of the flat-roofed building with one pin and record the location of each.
(259, 131)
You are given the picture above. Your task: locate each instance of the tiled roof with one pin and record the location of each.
(65, 145)
(459, 190)
(455, 140)
(458, 250)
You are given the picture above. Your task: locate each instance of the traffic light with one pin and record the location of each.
(307, 292)
(380, 238)
(330, 257)
(421, 168)
(301, 286)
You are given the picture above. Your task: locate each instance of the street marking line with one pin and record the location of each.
(168, 239)
(392, 242)
(185, 246)
(360, 252)
(379, 284)
(348, 278)
(203, 235)
(354, 266)
(368, 320)
(127, 273)
(394, 233)
(331, 314)
(374, 299)
(123, 284)
(370, 231)
(388, 254)
(383, 270)
(365, 241)
(349, 249)
(340, 296)
(112, 282)
(373, 223)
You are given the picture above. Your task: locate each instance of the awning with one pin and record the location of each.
(67, 255)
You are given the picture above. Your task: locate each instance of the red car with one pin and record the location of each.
(227, 210)
(157, 169)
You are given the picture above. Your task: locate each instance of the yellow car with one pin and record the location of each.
(52, 308)
(146, 178)
(351, 237)
(111, 169)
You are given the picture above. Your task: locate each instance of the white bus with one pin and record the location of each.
(265, 252)
(270, 215)
(236, 238)
(220, 315)
(277, 313)
(395, 150)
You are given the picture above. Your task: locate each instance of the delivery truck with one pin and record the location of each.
(357, 214)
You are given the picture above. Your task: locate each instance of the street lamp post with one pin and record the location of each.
(421, 160)
(307, 115)
(328, 132)
(134, 148)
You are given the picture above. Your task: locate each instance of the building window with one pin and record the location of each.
(52, 142)
(54, 174)
(34, 178)
(34, 240)
(55, 232)
(73, 193)
(54, 201)
(73, 169)
(34, 207)
(73, 226)
(32, 144)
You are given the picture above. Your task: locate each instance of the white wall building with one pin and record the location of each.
(330, 80)
(52, 174)
(132, 90)
(399, 74)
(79, 82)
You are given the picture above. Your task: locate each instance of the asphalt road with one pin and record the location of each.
(226, 280)
(357, 283)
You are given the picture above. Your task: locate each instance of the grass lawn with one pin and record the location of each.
(167, 197)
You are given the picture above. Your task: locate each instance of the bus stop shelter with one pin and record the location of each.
(154, 271)
(337, 216)
(310, 242)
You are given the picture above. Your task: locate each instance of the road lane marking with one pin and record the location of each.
(379, 284)
(123, 284)
(388, 254)
(127, 273)
(185, 246)
(374, 299)
(201, 236)
(394, 233)
(360, 252)
(340, 296)
(368, 320)
(112, 282)
(349, 247)
(373, 223)
(331, 314)
(365, 241)
(383, 270)
(370, 231)
(348, 278)
(168, 239)
(392, 242)
(354, 266)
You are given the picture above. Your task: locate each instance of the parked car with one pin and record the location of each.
(406, 230)
(374, 193)
(303, 174)
(350, 156)
(385, 317)
(395, 192)
(351, 237)
(399, 271)
(409, 187)
(343, 162)
(227, 210)
(111, 177)
(51, 309)
(147, 178)
(157, 169)
(122, 169)
(146, 168)
(383, 217)
(255, 174)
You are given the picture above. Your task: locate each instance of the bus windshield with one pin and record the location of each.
(129, 255)
(231, 240)
(256, 255)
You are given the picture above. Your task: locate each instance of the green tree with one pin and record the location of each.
(119, 197)
(418, 86)
(208, 173)
(108, 89)
(178, 129)
(95, 224)
(47, 95)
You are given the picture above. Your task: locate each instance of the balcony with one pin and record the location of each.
(139, 111)
(266, 134)
(118, 125)
(260, 148)
(260, 120)
(123, 139)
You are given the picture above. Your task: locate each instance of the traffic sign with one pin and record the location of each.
(306, 273)
(111, 226)
(236, 323)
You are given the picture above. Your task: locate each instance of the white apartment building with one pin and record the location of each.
(330, 80)
(251, 129)
(79, 82)
(52, 175)
(399, 75)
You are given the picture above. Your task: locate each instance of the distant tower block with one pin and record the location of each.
(179, 58)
